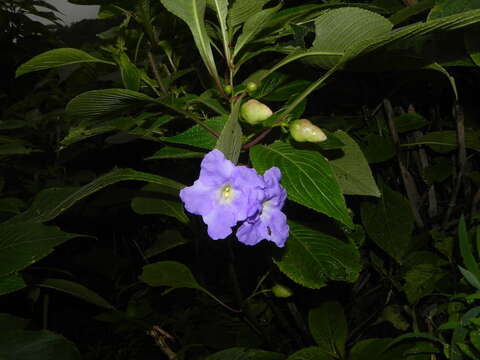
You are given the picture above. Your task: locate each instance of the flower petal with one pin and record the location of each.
(198, 198)
(220, 222)
(216, 169)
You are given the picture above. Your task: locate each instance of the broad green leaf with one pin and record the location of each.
(170, 152)
(311, 353)
(337, 30)
(352, 171)
(168, 239)
(409, 122)
(466, 249)
(422, 280)
(10, 322)
(446, 74)
(230, 140)
(394, 315)
(22, 244)
(242, 10)
(311, 258)
(50, 203)
(439, 171)
(445, 8)
(306, 175)
(156, 199)
(268, 84)
(389, 222)
(76, 289)
(328, 326)
(193, 12)
(98, 103)
(409, 11)
(285, 92)
(56, 58)
(11, 282)
(12, 205)
(378, 148)
(446, 140)
(245, 354)
(171, 274)
(253, 26)
(36, 345)
(197, 136)
(368, 348)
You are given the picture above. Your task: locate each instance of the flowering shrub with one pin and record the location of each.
(225, 194)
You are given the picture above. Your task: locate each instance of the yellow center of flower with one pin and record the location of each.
(226, 193)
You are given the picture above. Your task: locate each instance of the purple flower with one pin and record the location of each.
(269, 222)
(224, 194)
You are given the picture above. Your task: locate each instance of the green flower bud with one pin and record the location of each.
(281, 291)
(254, 112)
(251, 86)
(303, 130)
(228, 89)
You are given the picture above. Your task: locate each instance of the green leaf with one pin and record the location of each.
(242, 10)
(12, 205)
(472, 45)
(352, 170)
(245, 354)
(446, 140)
(171, 274)
(472, 279)
(230, 140)
(306, 175)
(328, 326)
(11, 282)
(130, 73)
(25, 243)
(445, 8)
(170, 152)
(36, 345)
(50, 203)
(409, 11)
(409, 122)
(421, 280)
(439, 171)
(253, 26)
(168, 239)
(466, 249)
(337, 30)
(311, 353)
(77, 290)
(378, 149)
(389, 222)
(193, 12)
(99, 103)
(156, 199)
(56, 58)
(221, 9)
(10, 322)
(197, 135)
(311, 258)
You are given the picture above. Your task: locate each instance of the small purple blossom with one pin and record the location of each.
(269, 223)
(224, 194)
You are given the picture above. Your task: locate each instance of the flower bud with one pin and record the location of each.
(228, 89)
(254, 112)
(303, 130)
(281, 291)
(251, 86)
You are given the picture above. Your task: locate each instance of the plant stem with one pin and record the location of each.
(154, 67)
